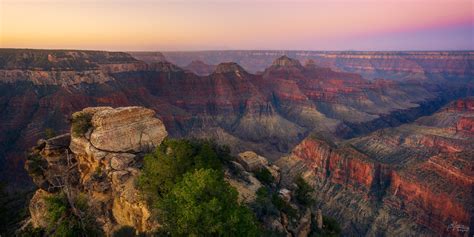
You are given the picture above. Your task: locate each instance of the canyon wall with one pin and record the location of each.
(418, 176)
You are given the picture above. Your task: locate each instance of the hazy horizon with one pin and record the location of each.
(203, 25)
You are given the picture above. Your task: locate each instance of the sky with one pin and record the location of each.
(179, 25)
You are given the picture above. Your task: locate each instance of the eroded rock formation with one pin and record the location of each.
(102, 163)
(415, 179)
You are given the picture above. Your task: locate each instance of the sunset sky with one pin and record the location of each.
(238, 24)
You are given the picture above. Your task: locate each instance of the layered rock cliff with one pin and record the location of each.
(63, 68)
(415, 179)
(100, 160)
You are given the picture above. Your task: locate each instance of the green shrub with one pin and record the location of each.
(81, 123)
(263, 205)
(62, 221)
(183, 181)
(303, 192)
(203, 204)
(172, 159)
(264, 176)
(35, 164)
(283, 206)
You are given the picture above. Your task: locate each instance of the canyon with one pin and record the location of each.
(421, 172)
(360, 126)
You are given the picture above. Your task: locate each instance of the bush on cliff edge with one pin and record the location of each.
(80, 124)
(65, 219)
(203, 204)
(184, 181)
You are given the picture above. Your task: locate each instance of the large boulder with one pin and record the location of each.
(126, 129)
(251, 161)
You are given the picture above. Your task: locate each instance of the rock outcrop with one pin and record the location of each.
(103, 164)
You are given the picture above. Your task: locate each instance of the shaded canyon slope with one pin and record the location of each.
(269, 112)
(413, 180)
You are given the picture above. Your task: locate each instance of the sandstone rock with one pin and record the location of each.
(285, 194)
(251, 161)
(133, 129)
(247, 189)
(120, 177)
(135, 214)
(102, 170)
(121, 161)
(275, 171)
(38, 209)
(304, 226)
(319, 219)
(55, 145)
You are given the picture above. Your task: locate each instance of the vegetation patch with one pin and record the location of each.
(203, 204)
(283, 206)
(183, 180)
(66, 218)
(303, 192)
(264, 176)
(81, 124)
(35, 164)
(49, 133)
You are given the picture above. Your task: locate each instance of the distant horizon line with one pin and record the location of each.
(230, 50)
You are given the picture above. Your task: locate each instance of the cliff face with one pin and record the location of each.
(416, 173)
(102, 163)
(63, 68)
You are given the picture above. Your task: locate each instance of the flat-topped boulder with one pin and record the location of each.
(125, 129)
(251, 161)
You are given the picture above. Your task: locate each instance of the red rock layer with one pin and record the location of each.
(343, 166)
(425, 171)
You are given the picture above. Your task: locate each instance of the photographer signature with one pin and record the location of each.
(457, 227)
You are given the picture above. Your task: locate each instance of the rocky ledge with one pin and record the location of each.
(101, 163)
